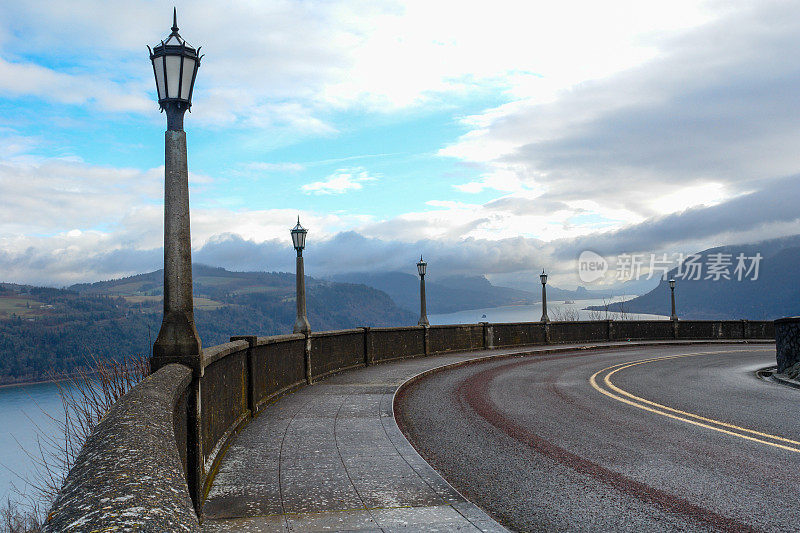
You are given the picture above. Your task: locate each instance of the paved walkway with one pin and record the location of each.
(330, 457)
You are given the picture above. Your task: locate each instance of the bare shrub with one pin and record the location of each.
(565, 314)
(17, 519)
(602, 314)
(622, 313)
(86, 396)
(610, 311)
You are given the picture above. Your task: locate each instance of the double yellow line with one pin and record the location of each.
(612, 391)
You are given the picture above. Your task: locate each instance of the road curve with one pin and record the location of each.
(678, 438)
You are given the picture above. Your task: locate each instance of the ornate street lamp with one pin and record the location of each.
(175, 67)
(423, 313)
(543, 278)
(672, 290)
(301, 325)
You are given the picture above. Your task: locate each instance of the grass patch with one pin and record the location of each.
(19, 306)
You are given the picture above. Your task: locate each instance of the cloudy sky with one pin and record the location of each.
(496, 138)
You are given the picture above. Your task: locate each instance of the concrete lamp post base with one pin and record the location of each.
(177, 341)
(301, 325)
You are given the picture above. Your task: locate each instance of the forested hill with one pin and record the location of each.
(774, 294)
(43, 329)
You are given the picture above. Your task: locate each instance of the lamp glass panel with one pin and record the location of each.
(188, 72)
(158, 63)
(173, 74)
(299, 238)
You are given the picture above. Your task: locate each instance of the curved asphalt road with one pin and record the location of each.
(589, 442)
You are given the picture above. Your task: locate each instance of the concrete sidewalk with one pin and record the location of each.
(330, 457)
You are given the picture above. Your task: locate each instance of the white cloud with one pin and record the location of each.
(659, 137)
(30, 79)
(341, 181)
(290, 62)
(633, 124)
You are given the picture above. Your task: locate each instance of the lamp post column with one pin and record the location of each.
(423, 312)
(543, 278)
(301, 325)
(175, 66)
(673, 316)
(178, 339)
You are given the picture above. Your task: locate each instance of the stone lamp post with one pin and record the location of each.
(673, 316)
(423, 312)
(301, 325)
(175, 65)
(543, 278)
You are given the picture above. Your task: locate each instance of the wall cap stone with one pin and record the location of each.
(275, 339)
(129, 473)
(316, 335)
(215, 353)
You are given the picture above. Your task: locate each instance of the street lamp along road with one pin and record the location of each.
(175, 65)
(175, 68)
(299, 237)
(543, 278)
(301, 325)
(423, 312)
(421, 266)
(672, 291)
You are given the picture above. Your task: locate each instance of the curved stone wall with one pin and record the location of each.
(129, 472)
(133, 469)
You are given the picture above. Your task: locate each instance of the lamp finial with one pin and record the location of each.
(174, 20)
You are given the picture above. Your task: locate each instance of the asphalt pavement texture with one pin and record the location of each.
(686, 439)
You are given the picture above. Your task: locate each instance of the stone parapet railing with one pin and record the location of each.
(132, 472)
(787, 342)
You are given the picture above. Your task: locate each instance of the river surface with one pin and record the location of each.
(25, 420)
(26, 410)
(556, 310)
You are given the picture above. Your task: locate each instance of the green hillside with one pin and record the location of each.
(45, 329)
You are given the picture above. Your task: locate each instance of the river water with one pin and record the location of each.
(557, 310)
(26, 410)
(25, 420)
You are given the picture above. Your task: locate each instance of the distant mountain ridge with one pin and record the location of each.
(775, 294)
(458, 293)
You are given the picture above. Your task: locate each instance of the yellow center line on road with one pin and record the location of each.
(685, 416)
